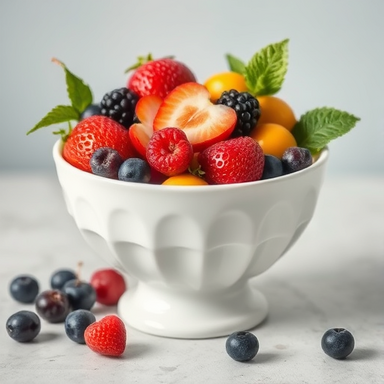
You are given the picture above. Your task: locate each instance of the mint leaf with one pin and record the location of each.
(59, 114)
(78, 92)
(265, 72)
(235, 64)
(318, 127)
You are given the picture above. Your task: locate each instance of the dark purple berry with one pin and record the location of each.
(136, 170)
(81, 294)
(23, 326)
(295, 159)
(24, 288)
(242, 346)
(76, 323)
(60, 277)
(106, 162)
(273, 167)
(337, 343)
(53, 305)
(91, 110)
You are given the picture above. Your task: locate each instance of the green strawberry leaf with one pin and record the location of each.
(316, 128)
(59, 114)
(79, 93)
(235, 64)
(265, 72)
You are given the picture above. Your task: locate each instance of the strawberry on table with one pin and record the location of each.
(235, 160)
(158, 77)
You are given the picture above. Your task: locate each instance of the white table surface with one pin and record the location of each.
(333, 277)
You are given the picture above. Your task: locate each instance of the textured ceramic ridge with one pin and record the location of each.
(187, 245)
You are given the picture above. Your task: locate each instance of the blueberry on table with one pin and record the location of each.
(273, 167)
(105, 162)
(242, 346)
(337, 343)
(81, 294)
(295, 159)
(76, 324)
(60, 277)
(53, 305)
(23, 326)
(135, 169)
(24, 288)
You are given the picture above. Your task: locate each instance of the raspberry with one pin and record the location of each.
(247, 110)
(120, 105)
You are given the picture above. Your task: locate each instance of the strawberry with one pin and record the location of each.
(169, 151)
(140, 133)
(92, 133)
(232, 161)
(189, 108)
(159, 77)
(107, 336)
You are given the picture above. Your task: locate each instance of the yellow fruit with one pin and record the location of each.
(275, 110)
(224, 81)
(274, 139)
(185, 179)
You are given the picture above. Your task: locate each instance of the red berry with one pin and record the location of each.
(159, 77)
(232, 161)
(169, 151)
(107, 336)
(92, 133)
(109, 285)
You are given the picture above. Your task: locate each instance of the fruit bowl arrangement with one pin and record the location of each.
(192, 189)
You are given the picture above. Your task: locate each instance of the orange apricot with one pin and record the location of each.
(224, 81)
(185, 179)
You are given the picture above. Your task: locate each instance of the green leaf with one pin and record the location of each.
(59, 114)
(265, 72)
(79, 93)
(316, 128)
(235, 64)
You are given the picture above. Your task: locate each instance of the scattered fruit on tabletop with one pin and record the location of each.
(236, 160)
(93, 133)
(60, 277)
(24, 288)
(274, 139)
(337, 343)
(91, 110)
(275, 110)
(185, 179)
(247, 110)
(158, 77)
(242, 346)
(225, 81)
(105, 162)
(273, 167)
(107, 336)
(109, 285)
(120, 105)
(23, 326)
(81, 294)
(76, 323)
(135, 170)
(169, 151)
(189, 108)
(53, 305)
(295, 159)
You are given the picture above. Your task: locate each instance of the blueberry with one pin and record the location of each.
(76, 323)
(105, 162)
(24, 288)
(242, 346)
(23, 326)
(91, 110)
(80, 293)
(273, 167)
(60, 277)
(295, 159)
(53, 305)
(136, 170)
(337, 343)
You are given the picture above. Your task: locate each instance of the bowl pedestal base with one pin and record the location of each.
(182, 314)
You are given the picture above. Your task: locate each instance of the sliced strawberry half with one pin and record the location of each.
(188, 107)
(140, 133)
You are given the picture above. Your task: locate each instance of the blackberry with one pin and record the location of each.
(119, 105)
(247, 110)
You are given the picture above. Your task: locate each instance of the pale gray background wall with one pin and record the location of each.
(336, 59)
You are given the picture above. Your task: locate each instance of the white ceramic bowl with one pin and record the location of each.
(192, 249)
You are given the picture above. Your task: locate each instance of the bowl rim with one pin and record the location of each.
(321, 160)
